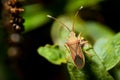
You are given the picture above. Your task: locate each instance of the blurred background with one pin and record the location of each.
(27, 64)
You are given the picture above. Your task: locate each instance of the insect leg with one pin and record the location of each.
(67, 56)
(66, 47)
(82, 40)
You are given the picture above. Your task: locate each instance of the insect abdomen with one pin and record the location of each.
(79, 62)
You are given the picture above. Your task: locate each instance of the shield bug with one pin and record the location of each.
(74, 43)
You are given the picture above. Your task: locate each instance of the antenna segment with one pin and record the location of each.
(75, 17)
(59, 22)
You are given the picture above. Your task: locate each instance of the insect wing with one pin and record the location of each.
(77, 54)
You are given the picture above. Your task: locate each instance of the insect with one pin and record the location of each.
(74, 43)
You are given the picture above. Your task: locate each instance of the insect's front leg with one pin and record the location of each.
(82, 40)
(67, 55)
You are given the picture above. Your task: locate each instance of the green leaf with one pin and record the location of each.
(110, 51)
(99, 46)
(94, 64)
(53, 54)
(75, 73)
(97, 30)
(115, 71)
(75, 4)
(35, 16)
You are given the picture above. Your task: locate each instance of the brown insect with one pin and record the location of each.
(74, 44)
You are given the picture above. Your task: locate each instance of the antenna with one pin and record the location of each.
(59, 22)
(75, 17)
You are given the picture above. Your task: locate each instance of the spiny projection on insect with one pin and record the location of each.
(74, 43)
